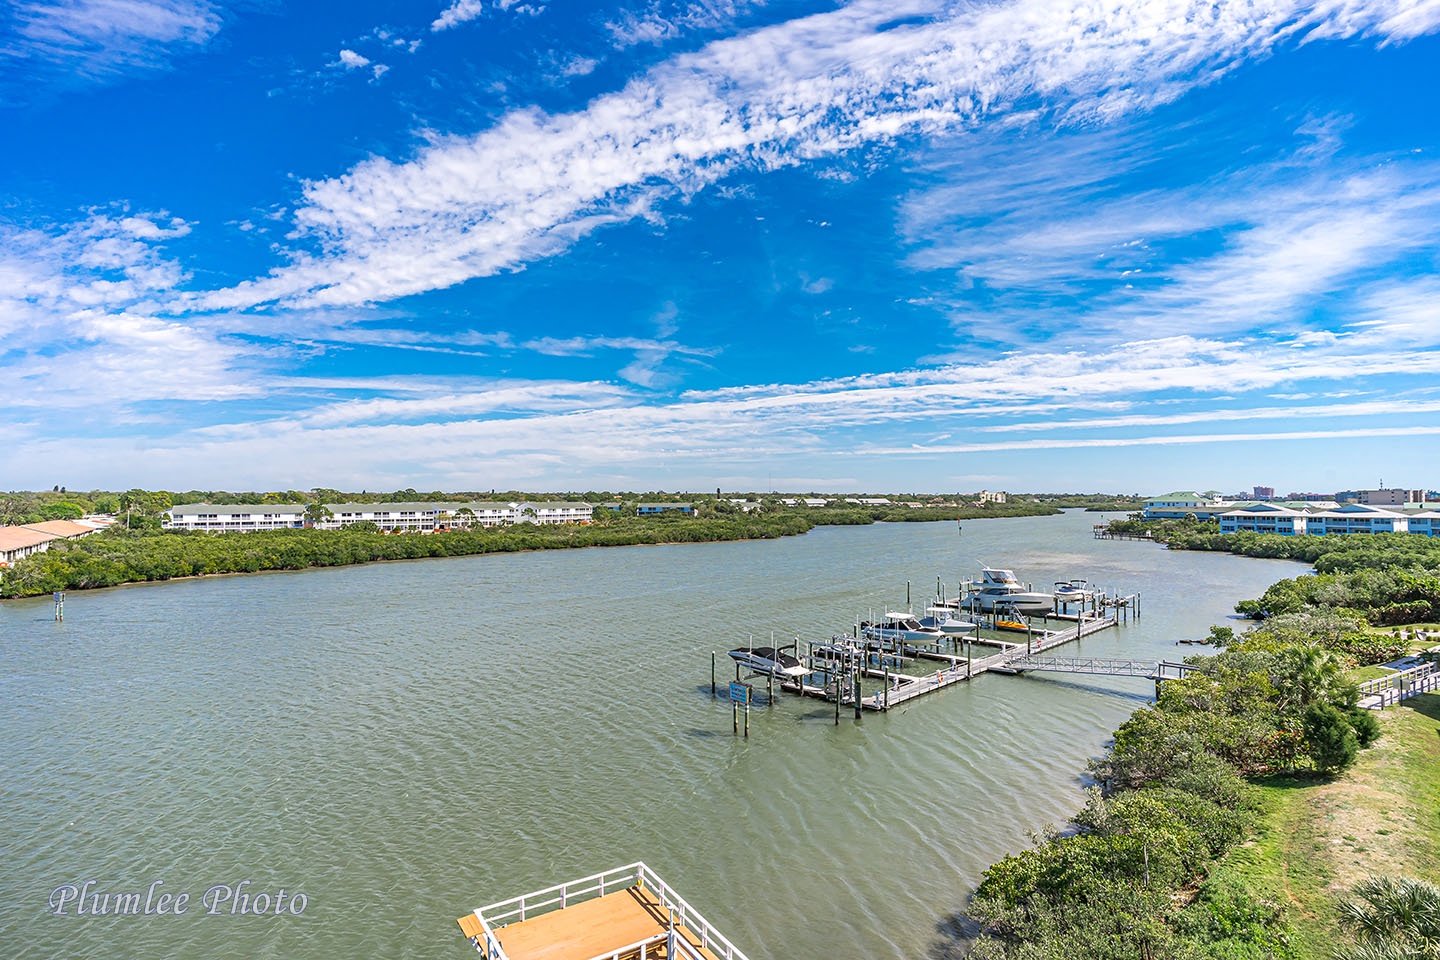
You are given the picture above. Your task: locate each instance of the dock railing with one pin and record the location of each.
(688, 917)
(1104, 666)
(560, 896)
(1379, 693)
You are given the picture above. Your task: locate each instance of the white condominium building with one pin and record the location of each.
(235, 517)
(423, 517)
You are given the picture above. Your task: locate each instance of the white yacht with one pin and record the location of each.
(902, 627)
(999, 589)
(769, 661)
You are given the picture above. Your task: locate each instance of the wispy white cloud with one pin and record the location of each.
(1230, 253)
(1404, 312)
(450, 428)
(78, 318)
(93, 318)
(583, 346)
(789, 94)
(579, 66)
(658, 22)
(1187, 439)
(99, 39)
(1375, 409)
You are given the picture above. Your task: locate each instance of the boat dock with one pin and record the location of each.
(842, 667)
(1102, 531)
(881, 665)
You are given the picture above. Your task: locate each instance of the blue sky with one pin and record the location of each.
(883, 246)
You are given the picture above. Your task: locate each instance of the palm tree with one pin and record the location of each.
(1393, 918)
(1310, 675)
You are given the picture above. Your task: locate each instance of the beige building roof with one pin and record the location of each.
(17, 538)
(61, 528)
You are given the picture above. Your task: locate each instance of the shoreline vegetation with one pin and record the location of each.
(1254, 810)
(1231, 819)
(143, 552)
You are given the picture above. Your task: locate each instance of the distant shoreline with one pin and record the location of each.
(119, 558)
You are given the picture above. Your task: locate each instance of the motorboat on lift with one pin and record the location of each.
(944, 617)
(1073, 591)
(998, 589)
(768, 661)
(902, 627)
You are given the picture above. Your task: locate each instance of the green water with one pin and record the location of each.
(404, 742)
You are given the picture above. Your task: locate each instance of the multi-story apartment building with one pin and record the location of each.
(419, 517)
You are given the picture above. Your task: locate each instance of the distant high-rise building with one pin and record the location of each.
(1389, 497)
(1264, 493)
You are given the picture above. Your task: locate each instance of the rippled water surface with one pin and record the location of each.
(403, 742)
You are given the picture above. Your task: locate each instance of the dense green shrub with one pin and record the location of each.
(123, 556)
(1171, 800)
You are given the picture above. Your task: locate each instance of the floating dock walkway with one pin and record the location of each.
(844, 664)
(960, 669)
(840, 670)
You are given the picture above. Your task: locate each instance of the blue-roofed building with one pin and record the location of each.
(654, 509)
(1292, 520)
(1356, 518)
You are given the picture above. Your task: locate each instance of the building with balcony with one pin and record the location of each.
(1183, 503)
(234, 517)
(418, 517)
(1287, 520)
(655, 509)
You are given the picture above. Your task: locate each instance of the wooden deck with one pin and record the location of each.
(594, 928)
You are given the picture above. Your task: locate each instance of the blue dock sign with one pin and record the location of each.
(740, 692)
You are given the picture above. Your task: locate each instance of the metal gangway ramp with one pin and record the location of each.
(1100, 666)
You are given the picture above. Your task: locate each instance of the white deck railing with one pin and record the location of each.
(560, 896)
(1383, 691)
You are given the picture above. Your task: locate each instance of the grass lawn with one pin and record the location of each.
(1319, 838)
(1419, 636)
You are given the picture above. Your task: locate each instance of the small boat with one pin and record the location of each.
(836, 650)
(1073, 591)
(902, 627)
(942, 617)
(769, 661)
(1011, 625)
